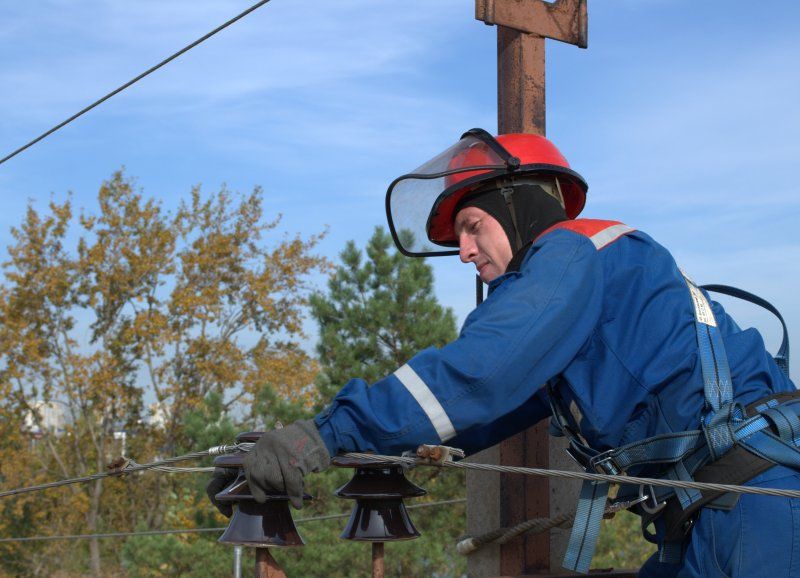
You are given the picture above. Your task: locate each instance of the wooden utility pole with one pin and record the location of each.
(266, 566)
(506, 500)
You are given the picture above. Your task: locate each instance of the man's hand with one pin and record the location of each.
(221, 479)
(281, 458)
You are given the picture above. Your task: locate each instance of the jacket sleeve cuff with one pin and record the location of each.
(329, 432)
(328, 436)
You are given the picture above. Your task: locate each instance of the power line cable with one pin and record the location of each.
(135, 80)
(200, 530)
(616, 479)
(130, 466)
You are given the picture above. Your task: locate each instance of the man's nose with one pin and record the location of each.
(466, 249)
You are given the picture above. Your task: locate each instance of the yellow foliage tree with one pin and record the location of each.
(129, 305)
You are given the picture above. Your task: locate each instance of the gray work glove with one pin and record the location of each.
(281, 458)
(221, 479)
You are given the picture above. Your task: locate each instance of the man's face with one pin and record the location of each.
(482, 240)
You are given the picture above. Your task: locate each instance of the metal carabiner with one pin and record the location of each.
(649, 502)
(614, 507)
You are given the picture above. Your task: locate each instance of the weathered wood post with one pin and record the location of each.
(505, 500)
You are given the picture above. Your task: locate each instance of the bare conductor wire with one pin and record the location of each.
(135, 80)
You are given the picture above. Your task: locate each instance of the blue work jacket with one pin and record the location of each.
(599, 310)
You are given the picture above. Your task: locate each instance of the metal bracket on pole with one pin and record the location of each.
(564, 20)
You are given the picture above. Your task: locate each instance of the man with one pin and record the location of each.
(592, 322)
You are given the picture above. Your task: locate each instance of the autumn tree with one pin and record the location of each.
(108, 311)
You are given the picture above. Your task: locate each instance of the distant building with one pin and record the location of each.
(120, 439)
(159, 415)
(46, 417)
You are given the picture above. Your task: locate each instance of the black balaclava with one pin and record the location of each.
(534, 208)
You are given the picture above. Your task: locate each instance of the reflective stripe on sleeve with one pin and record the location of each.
(609, 235)
(427, 401)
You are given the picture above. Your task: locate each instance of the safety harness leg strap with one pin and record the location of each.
(731, 446)
(718, 389)
(586, 527)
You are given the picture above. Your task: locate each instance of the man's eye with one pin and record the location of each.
(474, 226)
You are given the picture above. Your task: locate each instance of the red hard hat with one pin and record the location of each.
(420, 205)
(536, 155)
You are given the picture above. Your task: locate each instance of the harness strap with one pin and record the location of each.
(713, 360)
(782, 357)
(729, 446)
(586, 527)
(785, 421)
(737, 466)
(718, 390)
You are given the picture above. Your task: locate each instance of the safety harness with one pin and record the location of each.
(732, 445)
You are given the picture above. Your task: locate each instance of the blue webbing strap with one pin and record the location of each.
(720, 431)
(718, 392)
(714, 363)
(773, 449)
(723, 426)
(686, 496)
(664, 448)
(782, 357)
(713, 360)
(786, 422)
(586, 527)
(717, 425)
(671, 552)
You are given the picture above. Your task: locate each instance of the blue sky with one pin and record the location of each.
(681, 115)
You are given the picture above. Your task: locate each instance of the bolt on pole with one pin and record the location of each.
(237, 561)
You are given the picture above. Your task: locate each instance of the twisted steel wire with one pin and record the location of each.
(131, 467)
(134, 80)
(616, 479)
(201, 530)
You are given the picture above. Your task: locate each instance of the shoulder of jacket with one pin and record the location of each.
(601, 233)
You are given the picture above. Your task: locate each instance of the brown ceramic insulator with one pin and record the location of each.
(238, 490)
(267, 525)
(378, 489)
(379, 481)
(235, 460)
(382, 520)
(248, 437)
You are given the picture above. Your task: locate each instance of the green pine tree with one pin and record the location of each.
(379, 310)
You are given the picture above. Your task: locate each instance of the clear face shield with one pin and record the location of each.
(417, 201)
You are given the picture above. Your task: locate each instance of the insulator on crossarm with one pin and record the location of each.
(378, 488)
(267, 525)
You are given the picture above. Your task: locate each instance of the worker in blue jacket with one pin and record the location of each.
(590, 322)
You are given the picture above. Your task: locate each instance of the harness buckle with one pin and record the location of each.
(604, 463)
(650, 503)
(577, 458)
